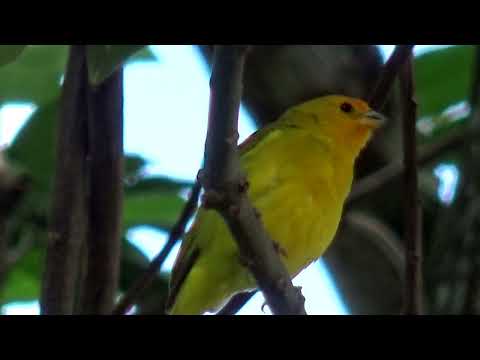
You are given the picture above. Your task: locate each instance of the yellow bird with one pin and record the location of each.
(300, 171)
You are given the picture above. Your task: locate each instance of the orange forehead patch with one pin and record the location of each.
(360, 105)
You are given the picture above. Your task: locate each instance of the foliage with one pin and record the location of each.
(153, 201)
(33, 73)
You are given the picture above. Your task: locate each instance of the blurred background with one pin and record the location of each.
(166, 95)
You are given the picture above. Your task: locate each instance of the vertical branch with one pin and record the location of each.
(68, 214)
(470, 173)
(413, 226)
(105, 193)
(226, 186)
(389, 73)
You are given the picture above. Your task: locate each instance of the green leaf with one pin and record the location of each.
(158, 185)
(35, 75)
(132, 268)
(134, 262)
(34, 146)
(153, 201)
(143, 55)
(150, 208)
(24, 280)
(8, 53)
(443, 78)
(103, 60)
(134, 165)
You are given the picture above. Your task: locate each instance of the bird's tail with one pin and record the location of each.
(202, 292)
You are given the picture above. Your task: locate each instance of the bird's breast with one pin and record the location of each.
(302, 214)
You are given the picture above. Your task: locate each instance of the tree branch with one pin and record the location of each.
(377, 100)
(384, 238)
(236, 303)
(390, 71)
(68, 216)
(413, 226)
(428, 153)
(140, 285)
(226, 186)
(471, 301)
(105, 194)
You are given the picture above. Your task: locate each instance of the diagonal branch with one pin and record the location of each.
(226, 185)
(236, 303)
(428, 153)
(377, 100)
(413, 226)
(390, 71)
(143, 282)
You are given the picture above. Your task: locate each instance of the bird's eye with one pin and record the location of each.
(346, 107)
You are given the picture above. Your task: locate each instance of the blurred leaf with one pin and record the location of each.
(134, 165)
(35, 75)
(134, 262)
(158, 184)
(443, 78)
(24, 280)
(132, 254)
(9, 53)
(34, 146)
(153, 201)
(103, 60)
(150, 208)
(143, 55)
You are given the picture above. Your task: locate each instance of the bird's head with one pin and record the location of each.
(346, 121)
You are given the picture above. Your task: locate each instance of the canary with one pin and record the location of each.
(300, 171)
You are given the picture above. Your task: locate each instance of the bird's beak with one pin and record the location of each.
(373, 119)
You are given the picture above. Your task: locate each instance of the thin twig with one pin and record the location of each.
(146, 279)
(226, 186)
(393, 171)
(413, 241)
(236, 303)
(390, 71)
(384, 238)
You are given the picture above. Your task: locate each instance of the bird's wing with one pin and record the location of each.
(190, 249)
(185, 260)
